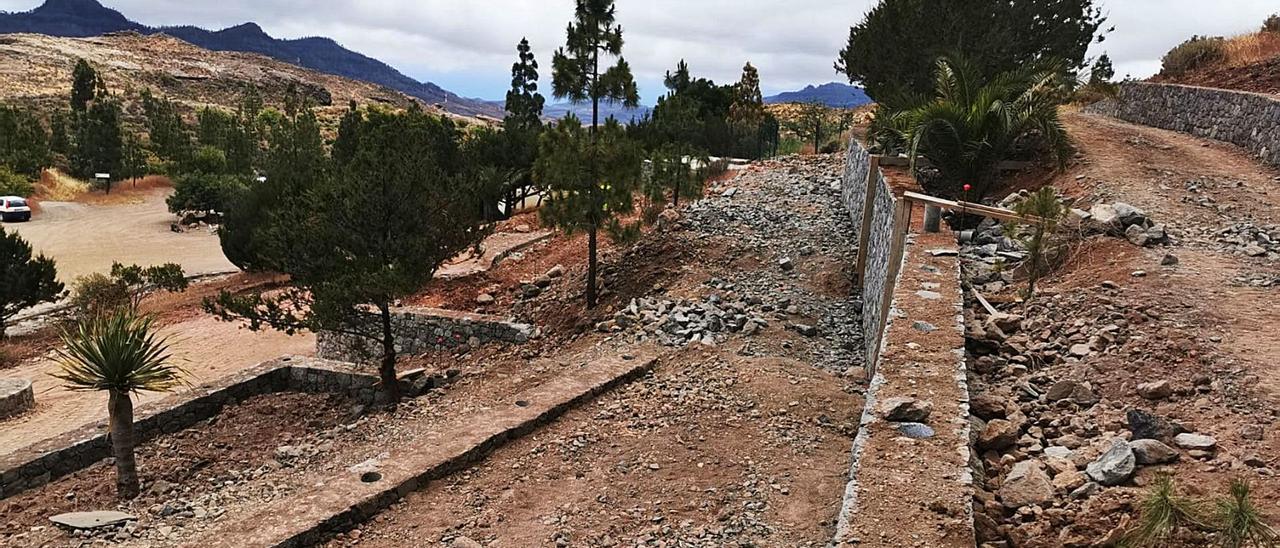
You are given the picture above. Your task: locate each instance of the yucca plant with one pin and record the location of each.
(1163, 512)
(119, 353)
(1238, 521)
(972, 124)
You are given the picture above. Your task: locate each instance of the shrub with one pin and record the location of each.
(1272, 24)
(95, 295)
(98, 295)
(203, 192)
(1199, 51)
(13, 184)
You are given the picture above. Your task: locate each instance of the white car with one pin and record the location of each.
(13, 208)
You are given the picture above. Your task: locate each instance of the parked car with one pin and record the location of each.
(13, 208)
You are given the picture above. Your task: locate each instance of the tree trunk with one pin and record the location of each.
(387, 371)
(120, 409)
(591, 266)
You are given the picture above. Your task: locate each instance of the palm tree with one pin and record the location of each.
(121, 354)
(972, 125)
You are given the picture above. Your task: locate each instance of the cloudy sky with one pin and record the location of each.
(467, 46)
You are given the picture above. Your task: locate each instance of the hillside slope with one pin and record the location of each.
(85, 18)
(35, 70)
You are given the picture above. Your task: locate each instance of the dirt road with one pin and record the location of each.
(86, 238)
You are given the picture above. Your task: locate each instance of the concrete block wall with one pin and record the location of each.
(53, 458)
(1250, 120)
(419, 330)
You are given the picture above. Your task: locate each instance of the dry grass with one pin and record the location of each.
(1248, 49)
(56, 186)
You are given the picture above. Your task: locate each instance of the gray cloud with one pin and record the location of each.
(468, 46)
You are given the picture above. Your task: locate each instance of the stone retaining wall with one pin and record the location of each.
(1250, 120)
(419, 330)
(50, 459)
(854, 191)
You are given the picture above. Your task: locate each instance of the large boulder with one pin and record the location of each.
(1027, 484)
(1115, 466)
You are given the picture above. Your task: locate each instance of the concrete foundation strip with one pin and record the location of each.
(345, 500)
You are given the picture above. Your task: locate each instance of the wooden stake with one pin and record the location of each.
(868, 211)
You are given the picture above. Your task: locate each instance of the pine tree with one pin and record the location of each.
(99, 143)
(524, 103)
(680, 80)
(24, 143)
(747, 111)
(59, 140)
(133, 163)
(170, 139)
(84, 86)
(517, 146)
(577, 76)
(1102, 71)
(25, 280)
(374, 233)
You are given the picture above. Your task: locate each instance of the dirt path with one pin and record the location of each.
(1198, 188)
(1127, 336)
(86, 238)
(209, 350)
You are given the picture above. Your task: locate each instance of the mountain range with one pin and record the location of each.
(834, 94)
(86, 18)
(83, 18)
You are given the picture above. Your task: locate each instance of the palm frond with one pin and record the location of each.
(121, 352)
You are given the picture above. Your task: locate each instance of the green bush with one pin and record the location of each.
(1272, 24)
(13, 184)
(95, 295)
(202, 192)
(98, 295)
(1197, 52)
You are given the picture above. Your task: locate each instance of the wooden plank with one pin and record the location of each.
(970, 207)
(868, 211)
(983, 301)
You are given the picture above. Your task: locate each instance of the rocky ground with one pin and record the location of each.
(1143, 353)
(741, 434)
(735, 438)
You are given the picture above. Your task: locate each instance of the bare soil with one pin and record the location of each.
(1211, 336)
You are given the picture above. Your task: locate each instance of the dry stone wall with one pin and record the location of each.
(43, 462)
(419, 330)
(1250, 120)
(879, 243)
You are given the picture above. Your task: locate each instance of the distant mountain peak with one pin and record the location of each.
(832, 94)
(246, 30)
(81, 9)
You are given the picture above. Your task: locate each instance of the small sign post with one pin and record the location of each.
(103, 179)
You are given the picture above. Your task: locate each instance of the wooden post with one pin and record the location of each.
(868, 211)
